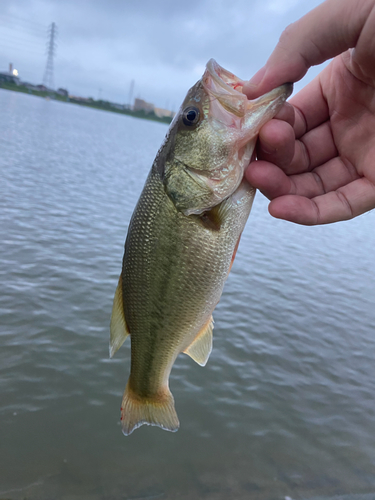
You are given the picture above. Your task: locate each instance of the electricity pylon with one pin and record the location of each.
(51, 46)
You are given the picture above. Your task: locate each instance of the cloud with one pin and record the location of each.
(163, 45)
(277, 7)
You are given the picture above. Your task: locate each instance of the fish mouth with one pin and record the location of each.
(226, 88)
(224, 78)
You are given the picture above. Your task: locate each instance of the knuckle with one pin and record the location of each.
(287, 35)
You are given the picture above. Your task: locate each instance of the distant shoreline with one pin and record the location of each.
(89, 103)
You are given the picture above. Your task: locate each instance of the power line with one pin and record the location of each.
(22, 41)
(14, 49)
(48, 73)
(9, 29)
(16, 36)
(33, 24)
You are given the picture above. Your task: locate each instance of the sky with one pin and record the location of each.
(162, 45)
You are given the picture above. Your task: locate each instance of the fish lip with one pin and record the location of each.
(285, 90)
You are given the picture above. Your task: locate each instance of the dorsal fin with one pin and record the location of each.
(118, 327)
(201, 347)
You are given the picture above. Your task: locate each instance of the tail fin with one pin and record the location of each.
(137, 410)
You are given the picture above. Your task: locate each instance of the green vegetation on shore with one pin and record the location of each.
(91, 103)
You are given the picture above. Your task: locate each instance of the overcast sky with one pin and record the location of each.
(163, 45)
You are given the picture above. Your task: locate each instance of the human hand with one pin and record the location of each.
(316, 159)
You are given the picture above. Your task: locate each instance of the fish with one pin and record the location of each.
(183, 237)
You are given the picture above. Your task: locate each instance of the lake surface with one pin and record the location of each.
(286, 404)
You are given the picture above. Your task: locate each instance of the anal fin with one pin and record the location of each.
(118, 327)
(200, 349)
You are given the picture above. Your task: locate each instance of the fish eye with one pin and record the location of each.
(190, 116)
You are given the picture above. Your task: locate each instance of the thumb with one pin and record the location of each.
(326, 31)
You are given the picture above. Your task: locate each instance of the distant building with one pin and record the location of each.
(10, 76)
(62, 92)
(30, 86)
(141, 105)
(84, 100)
(160, 112)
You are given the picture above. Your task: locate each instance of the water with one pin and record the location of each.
(285, 406)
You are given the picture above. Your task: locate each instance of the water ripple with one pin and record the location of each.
(285, 404)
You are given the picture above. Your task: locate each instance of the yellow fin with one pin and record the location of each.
(201, 347)
(158, 410)
(118, 328)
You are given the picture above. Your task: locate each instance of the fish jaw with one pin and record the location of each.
(260, 111)
(208, 160)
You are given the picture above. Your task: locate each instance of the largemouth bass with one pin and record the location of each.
(183, 237)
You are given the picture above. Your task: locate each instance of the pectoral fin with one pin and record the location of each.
(201, 347)
(118, 327)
